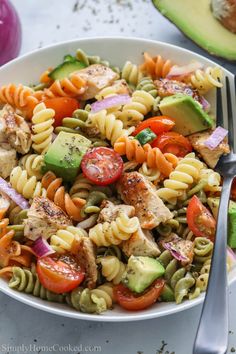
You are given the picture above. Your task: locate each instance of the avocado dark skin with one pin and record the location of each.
(200, 26)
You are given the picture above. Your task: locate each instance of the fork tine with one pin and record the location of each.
(219, 108)
(230, 115)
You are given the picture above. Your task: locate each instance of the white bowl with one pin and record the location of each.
(27, 70)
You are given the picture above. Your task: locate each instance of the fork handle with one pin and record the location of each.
(213, 325)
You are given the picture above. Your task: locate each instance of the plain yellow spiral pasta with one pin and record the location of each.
(29, 187)
(32, 163)
(114, 233)
(109, 127)
(42, 128)
(62, 241)
(112, 268)
(186, 172)
(211, 180)
(152, 174)
(207, 79)
(131, 73)
(134, 112)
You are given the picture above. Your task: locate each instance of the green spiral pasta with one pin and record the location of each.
(147, 84)
(203, 248)
(178, 277)
(94, 199)
(112, 250)
(96, 300)
(26, 280)
(94, 59)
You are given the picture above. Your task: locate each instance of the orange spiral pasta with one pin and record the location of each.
(11, 251)
(157, 67)
(44, 78)
(56, 192)
(73, 86)
(152, 156)
(19, 96)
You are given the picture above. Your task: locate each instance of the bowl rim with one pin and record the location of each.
(129, 316)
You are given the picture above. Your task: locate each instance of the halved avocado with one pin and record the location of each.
(195, 19)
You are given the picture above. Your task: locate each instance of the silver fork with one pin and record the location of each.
(212, 334)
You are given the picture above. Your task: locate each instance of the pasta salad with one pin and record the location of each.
(108, 193)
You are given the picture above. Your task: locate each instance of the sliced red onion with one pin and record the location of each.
(13, 194)
(216, 138)
(10, 32)
(169, 246)
(54, 136)
(184, 70)
(41, 248)
(205, 104)
(110, 102)
(231, 254)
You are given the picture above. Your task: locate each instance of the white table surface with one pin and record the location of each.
(30, 330)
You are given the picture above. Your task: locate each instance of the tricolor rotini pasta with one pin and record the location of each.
(108, 182)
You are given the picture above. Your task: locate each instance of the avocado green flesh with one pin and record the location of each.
(65, 154)
(214, 205)
(195, 19)
(167, 294)
(141, 272)
(188, 115)
(65, 69)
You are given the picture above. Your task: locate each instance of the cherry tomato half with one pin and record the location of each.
(233, 190)
(129, 301)
(63, 107)
(102, 165)
(200, 220)
(174, 143)
(59, 274)
(158, 125)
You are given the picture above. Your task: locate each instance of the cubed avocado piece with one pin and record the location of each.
(141, 272)
(198, 21)
(214, 206)
(65, 69)
(167, 294)
(65, 154)
(188, 114)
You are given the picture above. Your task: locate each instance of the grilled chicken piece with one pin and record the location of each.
(137, 191)
(109, 211)
(167, 87)
(141, 243)
(44, 219)
(15, 130)
(87, 259)
(184, 248)
(8, 160)
(211, 157)
(4, 204)
(97, 77)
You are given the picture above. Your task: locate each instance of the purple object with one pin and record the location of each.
(10, 32)
(109, 102)
(41, 248)
(13, 194)
(177, 255)
(216, 138)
